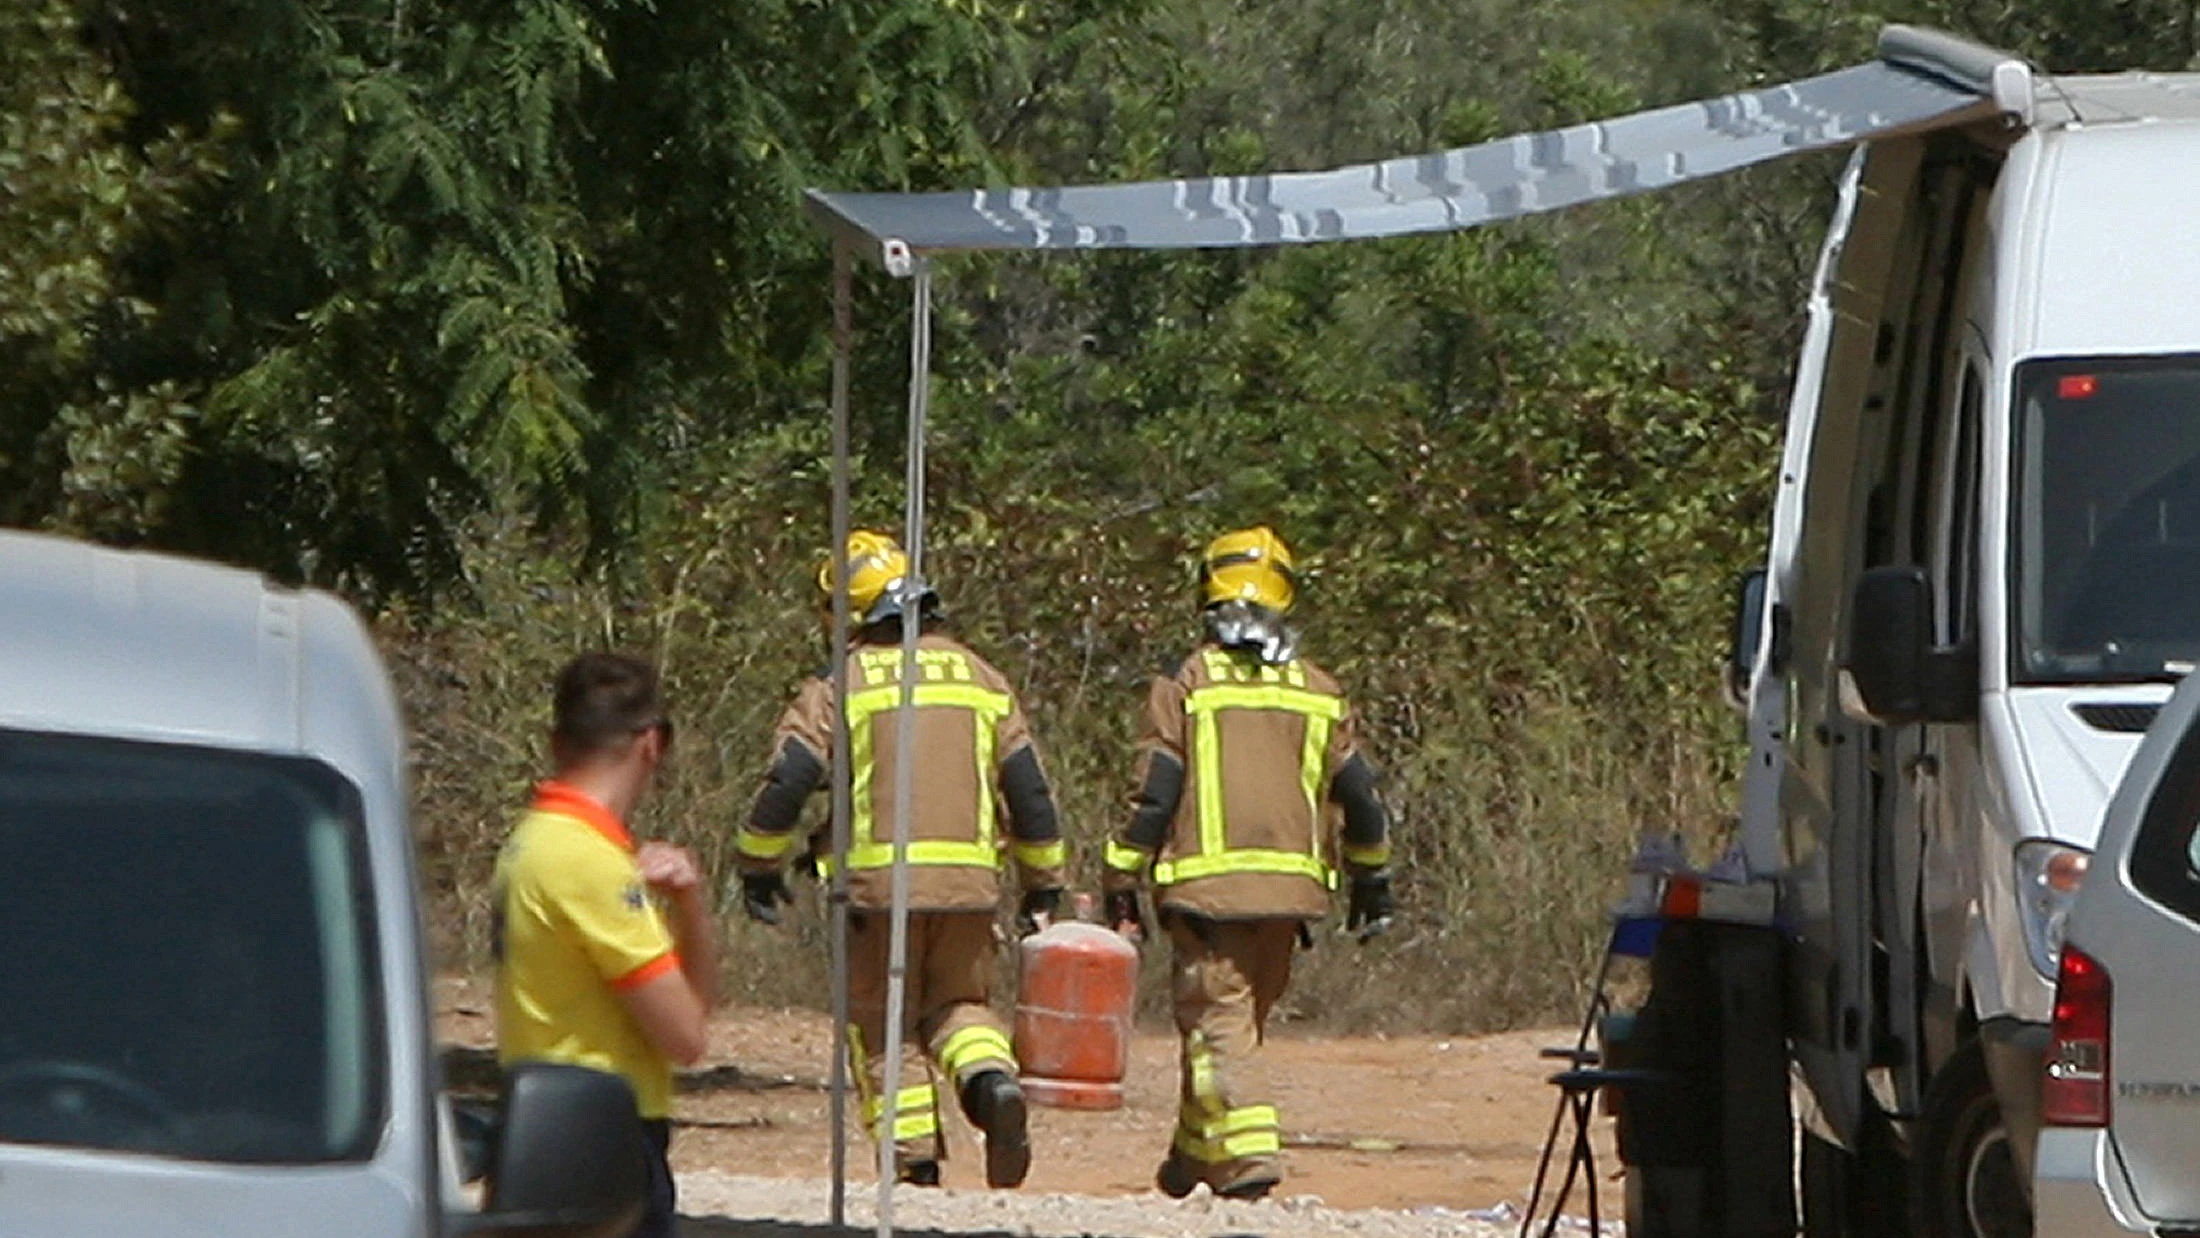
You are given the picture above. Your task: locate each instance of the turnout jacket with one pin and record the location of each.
(1252, 792)
(978, 791)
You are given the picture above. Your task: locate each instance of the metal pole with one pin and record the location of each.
(843, 793)
(905, 736)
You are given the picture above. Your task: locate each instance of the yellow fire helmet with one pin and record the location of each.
(878, 578)
(1251, 565)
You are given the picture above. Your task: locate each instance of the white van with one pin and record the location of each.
(1984, 579)
(213, 1011)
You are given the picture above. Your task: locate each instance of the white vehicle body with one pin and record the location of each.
(215, 1018)
(2002, 332)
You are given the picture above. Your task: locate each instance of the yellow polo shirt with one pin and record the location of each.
(574, 926)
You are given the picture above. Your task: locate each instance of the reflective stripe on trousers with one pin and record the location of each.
(968, 1050)
(916, 1113)
(1228, 974)
(1239, 1134)
(1207, 1129)
(950, 1031)
(916, 1107)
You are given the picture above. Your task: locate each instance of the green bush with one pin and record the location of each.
(1526, 593)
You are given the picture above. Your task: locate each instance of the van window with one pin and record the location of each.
(189, 963)
(2107, 546)
(1955, 518)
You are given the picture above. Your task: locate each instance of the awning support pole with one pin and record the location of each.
(905, 736)
(842, 796)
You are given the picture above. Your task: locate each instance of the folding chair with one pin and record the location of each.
(1584, 1080)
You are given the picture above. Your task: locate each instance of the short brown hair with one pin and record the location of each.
(601, 701)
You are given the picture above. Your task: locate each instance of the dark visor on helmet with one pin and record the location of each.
(1235, 558)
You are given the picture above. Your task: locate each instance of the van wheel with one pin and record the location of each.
(1854, 1194)
(1967, 1183)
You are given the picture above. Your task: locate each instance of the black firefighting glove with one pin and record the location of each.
(1123, 915)
(809, 864)
(1038, 910)
(1371, 910)
(761, 895)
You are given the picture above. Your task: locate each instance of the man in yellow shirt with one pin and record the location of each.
(591, 970)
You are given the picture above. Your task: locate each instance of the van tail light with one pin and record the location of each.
(2076, 1092)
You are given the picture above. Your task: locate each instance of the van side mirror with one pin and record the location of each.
(568, 1162)
(1899, 674)
(474, 1126)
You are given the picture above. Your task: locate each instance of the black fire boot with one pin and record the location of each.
(995, 1104)
(918, 1173)
(1253, 1182)
(1177, 1177)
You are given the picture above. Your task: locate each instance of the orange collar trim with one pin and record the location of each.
(564, 800)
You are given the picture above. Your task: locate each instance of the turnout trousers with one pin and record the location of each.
(948, 1030)
(1227, 976)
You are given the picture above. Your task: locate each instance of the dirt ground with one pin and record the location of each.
(1370, 1122)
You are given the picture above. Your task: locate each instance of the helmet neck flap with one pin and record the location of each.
(1252, 628)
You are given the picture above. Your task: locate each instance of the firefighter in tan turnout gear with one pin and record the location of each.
(978, 793)
(1251, 796)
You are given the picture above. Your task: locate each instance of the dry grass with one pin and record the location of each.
(1515, 811)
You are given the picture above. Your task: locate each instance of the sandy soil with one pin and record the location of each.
(1399, 1123)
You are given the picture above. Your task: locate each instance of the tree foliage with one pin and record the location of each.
(472, 255)
(84, 443)
(311, 283)
(504, 316)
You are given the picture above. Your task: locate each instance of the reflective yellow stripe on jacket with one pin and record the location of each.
(945, 682)
(1270, 688)
(1124, 859)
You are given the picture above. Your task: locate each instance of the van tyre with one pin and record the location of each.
(1966, 1182)
(1857, 1194)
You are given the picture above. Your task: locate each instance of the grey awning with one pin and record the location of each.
(1438, 192)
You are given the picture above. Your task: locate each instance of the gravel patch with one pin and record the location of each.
(720, 1205)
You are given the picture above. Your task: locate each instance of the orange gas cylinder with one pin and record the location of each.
(1073, 1015)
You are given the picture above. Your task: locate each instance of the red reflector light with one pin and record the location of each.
(2076, 1090)
(2077, 386)
(1683, 898)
